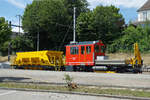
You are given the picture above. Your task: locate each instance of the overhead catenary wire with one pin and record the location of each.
(58, 24)
(64, 37)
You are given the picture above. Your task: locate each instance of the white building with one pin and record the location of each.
(144, 12)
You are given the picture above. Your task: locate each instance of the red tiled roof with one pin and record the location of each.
(146, 6)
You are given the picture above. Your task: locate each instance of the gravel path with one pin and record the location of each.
(127, 80)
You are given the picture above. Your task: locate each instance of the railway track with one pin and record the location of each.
(146, 69)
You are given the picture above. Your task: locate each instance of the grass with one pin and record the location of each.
(83, 89)
(5, 58)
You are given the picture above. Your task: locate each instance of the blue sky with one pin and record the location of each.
(10, 8)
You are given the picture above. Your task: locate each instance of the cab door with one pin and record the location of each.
(89, 55)
(74, 55)
(82, 55)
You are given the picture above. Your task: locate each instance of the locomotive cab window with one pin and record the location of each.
(102, 49)
(82, 49)
(88, 49)
(96, 48)
(74, 50)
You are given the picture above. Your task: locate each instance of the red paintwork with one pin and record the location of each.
(83, 59)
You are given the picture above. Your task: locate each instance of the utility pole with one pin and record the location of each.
(19, 22)
(9, 24)
(38, 33)
(38, 39)
(74, 25)
(9, 50)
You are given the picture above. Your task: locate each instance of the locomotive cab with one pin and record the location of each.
(84, 53)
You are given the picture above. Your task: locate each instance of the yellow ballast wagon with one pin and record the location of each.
(52, 60)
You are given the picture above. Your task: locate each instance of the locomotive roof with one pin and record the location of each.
(83, 43)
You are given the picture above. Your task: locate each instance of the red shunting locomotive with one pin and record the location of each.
(82, 55)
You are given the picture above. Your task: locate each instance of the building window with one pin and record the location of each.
(148, 16)
(88, 49)
(140, 16)
(74, 50)
(82, 49)
(144, 16)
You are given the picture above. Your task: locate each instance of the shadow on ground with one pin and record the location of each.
(13, 79)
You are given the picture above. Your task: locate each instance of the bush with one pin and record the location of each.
(70, 84)
(21, 43)
(141, 35)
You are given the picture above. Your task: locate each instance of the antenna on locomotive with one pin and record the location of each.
(74, 26)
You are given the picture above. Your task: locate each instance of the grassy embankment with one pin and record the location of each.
(83, 89)
(122, 56)
(5, 58)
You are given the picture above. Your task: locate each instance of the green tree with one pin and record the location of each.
(85, 29)
(103, 23)
(43, 17)
(5, 34)
(139, 34)
(81, 6)
(21, 43)
(52, 19)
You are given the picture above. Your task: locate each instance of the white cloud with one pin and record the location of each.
(118, 3)
(16, 29)
(19, 3)
(16, 3)
(93, 3)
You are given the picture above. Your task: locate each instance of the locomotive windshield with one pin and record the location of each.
(74, 50)
(82, 49)
(88, 49)
(97, 48)
(102, 49)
